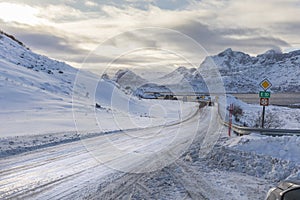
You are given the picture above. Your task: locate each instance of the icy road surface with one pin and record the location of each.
(143, 164)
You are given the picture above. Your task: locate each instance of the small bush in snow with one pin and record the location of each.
(271, 120)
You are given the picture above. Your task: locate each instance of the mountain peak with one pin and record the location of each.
(227, 52)
(120, 73)
(181, 70)
(128, 79)
(274, 51)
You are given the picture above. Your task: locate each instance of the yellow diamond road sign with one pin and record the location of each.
(265, 84)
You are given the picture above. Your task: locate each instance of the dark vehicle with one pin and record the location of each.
(286, 190)
(170, 97)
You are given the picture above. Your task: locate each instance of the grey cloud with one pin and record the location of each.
(290, 26)
(240, 31)
(172, 4)
(133, 37)
(65, 49)
(289, 29)
(49, 43)
(216, 40)
(44, 41)
(130, 59)
(81, 4)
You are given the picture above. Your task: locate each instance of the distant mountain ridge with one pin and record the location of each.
(240, 72)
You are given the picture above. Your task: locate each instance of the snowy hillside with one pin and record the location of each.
(39, 95)
(33, 87)
(60, 74)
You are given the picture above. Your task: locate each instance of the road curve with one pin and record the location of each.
(78, 169)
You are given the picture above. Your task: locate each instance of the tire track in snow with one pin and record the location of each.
(132, 183)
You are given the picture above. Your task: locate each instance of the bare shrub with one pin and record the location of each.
(272, 120)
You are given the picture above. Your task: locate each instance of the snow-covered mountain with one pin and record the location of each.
(177, 75)
(243, 73)
(240, 72)
(180, 80)
(128, 79)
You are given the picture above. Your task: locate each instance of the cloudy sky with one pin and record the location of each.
(150, 34)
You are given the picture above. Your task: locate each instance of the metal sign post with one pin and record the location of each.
(264, 98)
(263, 117)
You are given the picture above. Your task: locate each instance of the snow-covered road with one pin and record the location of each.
(61, 170)
(153, 163)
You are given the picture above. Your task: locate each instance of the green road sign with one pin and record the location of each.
(264, 94)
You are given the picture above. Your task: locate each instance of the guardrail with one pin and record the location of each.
(243, 130)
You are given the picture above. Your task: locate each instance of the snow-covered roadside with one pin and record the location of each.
(231, 184)
(266, 157)
(284, 147)
(273, 158)
(276, 116)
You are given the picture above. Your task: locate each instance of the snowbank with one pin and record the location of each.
(276, 116)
